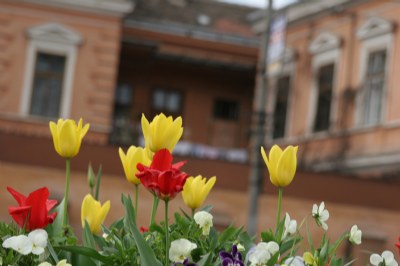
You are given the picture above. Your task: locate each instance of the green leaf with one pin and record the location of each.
(228, 234)
(55, 229)
(129, 218)
(272, 261)
(156, 228)
(205, 260)
(87, 252)
(99, 174)
(87, 237)
(267, 236)
(147, 256)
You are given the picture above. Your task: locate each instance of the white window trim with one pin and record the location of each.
(287, 68)
(326, 50)
(375, 34)
(53, 39)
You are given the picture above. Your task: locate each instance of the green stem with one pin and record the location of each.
(67, 178)
(154, 209)
(193, 211)
(136, 201)
(278, 216)
(166, 234)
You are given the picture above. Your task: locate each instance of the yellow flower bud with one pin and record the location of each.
(67, 136)
(195, 190)
(162, 133)
(129, 161)
(281, 164)
(309, 259)
(93, 213)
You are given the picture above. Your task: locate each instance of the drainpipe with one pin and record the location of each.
(259, 125)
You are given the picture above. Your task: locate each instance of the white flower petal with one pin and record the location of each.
(387, 256)
(180, 250)
(321, 207)
(375, 259)
(22, 244)
(314, 209)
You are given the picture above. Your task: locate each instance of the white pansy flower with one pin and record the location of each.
(45, 264)
(295, 261)
(321, 215)
(355, 235)
(204, 220)
(386, 259)
(60, 263)
(262, 253)
(22, 244)
(180, 250)
(290, 226)
(35, 242)
(39, 241)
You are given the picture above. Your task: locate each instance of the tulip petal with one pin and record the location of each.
(162, 160)
(68, 140)
(286, 167)
(21, 199)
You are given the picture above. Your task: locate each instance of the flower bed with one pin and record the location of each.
(40, 234)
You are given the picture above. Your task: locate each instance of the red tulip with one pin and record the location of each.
(33, 211)
(398, 245)
(162, 178)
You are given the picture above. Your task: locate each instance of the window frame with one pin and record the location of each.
(322, 56)
(52, 39)
(168, 90)
(369, 45)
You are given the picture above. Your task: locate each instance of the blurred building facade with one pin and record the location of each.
(110, 61)
(335, 96)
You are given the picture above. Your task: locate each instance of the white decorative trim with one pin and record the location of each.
(116, 8)
(54, 32)
(381, 42)
(374, 27)
(325, 41)
(319, 60)
(53, 39)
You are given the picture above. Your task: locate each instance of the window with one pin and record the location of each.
(49, 72)
(323, 110)
(373, 87)
(281, 106)
(226, 109)
(376, 39)
(123, 131)
(324, 97)
(47, 85)
(168, 101)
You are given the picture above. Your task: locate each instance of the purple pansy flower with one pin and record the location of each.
(231, 259)
(185, 263)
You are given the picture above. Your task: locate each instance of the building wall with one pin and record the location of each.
(346, 140)
(93, 75)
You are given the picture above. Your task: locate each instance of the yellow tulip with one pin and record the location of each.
(67, 136)
(196, 189)
(129, 161)
(162, 133)
(93, 213)
(281, 165)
